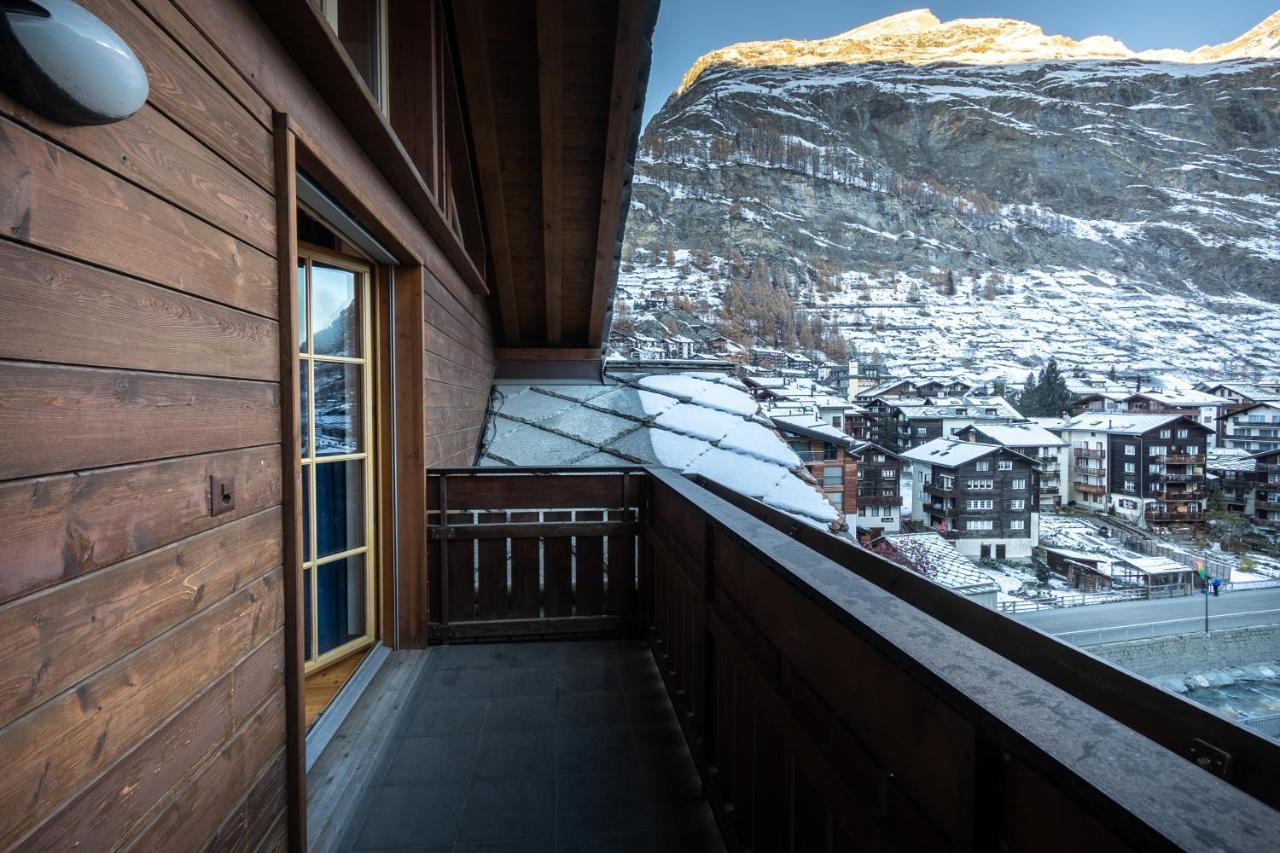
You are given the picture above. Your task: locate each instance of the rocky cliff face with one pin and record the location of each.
(914, 148)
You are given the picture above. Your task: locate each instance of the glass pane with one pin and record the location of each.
(337, 407)
(304, 404)
(339, 602)
(306, 614)
(302, 307)
(335, 317)
(306, 513)
(339, 506)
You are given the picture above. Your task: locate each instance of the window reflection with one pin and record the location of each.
(335, 317)
(340, 604)
(339, 507)
(337, 409)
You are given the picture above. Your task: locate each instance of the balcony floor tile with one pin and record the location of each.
(537, 747)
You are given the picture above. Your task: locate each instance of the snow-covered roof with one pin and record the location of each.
(1231, 459)
(811, 425)
(1182, 398)
(695, 422)
(1019, 435)
(1126, 423)
(1052, 423)
(948, 452)
(974, 408)
(1257, 393)
(938, 559)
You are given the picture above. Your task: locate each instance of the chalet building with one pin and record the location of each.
(768, 358)
(1254, 428)
(1243, 393)
(1198, 405)
(1233, 476)
(917, 387)
(679, 347)
(1086, 436)
(915, 424)
(1266, 502)
(1147, 468)
(877, 506)
(865, 373)
(1033, 441)
(824, 451)
(1098, 401)
(984, 497)
(836, 376)
(250, 334)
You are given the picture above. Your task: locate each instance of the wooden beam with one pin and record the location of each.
(622, 102)
(291, 482)
(551, 114)
(473, 50)
(546, 353)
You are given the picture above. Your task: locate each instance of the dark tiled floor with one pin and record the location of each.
(545, 747)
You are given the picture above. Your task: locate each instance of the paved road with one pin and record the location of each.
(1064, 619)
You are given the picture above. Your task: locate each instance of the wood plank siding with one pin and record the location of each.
(143, 700)
(151, 636)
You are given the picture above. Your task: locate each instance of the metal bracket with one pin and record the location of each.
(222, 494)
(1209, 757)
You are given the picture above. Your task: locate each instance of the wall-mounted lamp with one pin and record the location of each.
(66, 64)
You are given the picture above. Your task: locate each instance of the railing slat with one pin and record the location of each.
(526, 598)
(462, 584)
(492, 602)
(589, 586)
(557, 570)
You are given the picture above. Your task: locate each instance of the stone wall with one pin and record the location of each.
(1194, 652)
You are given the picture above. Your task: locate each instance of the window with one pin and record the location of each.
(1018, 524)
(829, 452)
(1164, 433)
(1018, 484)
(833, 475)
(1129, 486)
(879, 457)
(978, 524)
(1017, 504)
(919, 430)
(888, 473)
(1156, 450)
(336, 420)
(361, 28)
(1130, 449)
(1130, 468)
(979, 485)
(985, 503)
(1005, 465)
(982, 465)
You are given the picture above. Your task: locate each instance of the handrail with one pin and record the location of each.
(1026, 719)
(1148, 630)
(1169, 719)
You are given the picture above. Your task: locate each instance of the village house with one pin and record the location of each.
(1266, 502)
(1035, 442)
(1206, 408)
(1255, 428)
(916, 423)
(984, 497)
(1233, 474)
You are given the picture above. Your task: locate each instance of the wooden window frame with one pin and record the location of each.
(370, 393)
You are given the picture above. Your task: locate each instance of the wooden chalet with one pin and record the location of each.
(248, 340)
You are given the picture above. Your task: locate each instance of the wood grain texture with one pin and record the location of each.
(118, 802)
(62, 311)
(53, 640)
(153, 152)
(59, 201)
(551, 119)
(54, 750)
(189, 95)
(410, 394)
(60, 419)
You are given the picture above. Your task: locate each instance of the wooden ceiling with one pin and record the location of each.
(554, 92)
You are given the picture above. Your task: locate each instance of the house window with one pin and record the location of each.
(1182, 433)
(1017, 504)
(336, 426)
(888, 473)
(1129, 486)
(1164, 433)
(986, 503)
(1018, 485)
(1018, 524)
(1006, 465)
(1130, 449)
(829, 452)
(983, 465)
(1156, 450)
(879, 457)
(833, 475)
(978, 524)
(920, 430)
(361, 29)
(979, 485)
(1130, 468)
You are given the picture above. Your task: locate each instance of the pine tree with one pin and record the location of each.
(949, 289)
(913, 295)
(1028, 400)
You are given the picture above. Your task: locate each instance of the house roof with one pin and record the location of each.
(1230, 459)
(949, 452)
(1125, 423)
(1184, 399)
(1018, 435)
(938, 560)
(695, 422)
(1246, 389)
(811, 426)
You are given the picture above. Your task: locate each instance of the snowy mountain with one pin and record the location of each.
(1011, 194)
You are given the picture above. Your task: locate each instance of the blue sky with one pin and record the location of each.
(689, 28)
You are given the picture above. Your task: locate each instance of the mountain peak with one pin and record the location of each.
(918, 37)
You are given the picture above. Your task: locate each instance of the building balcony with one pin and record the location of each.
(1166, 517)
(695, 597)
(939, 491)
(1088, 453)
(1089, 470)
(1180, 459)
(1268, 468)
(875, 499)
(1089, 488)
(1274, 506)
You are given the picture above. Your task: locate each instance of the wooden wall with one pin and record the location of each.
(142, 699)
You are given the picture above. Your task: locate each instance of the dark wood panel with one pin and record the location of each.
(185, 92)
(440, 345)
(261, 809)
(532, 491)
(442, 396)
(445, 421)
(214, 796)
(468, 308)
(411, 445)
(492, 601)
(58, 310)
(67, 418)
(461, 580)
(443, 370)
(86, 624)
(621, 575)
(453, 444)
(54, 750)
(464, 330)
(116, 803)
(62, 202)
(557, 570)
(58, 528)
(152, 151)
(526, 597)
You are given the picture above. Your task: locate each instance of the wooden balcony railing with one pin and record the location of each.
(1088, 453)
(833, 700)
(1180, 459)
(1174, 517)
(1090, 488)
(939, 491)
